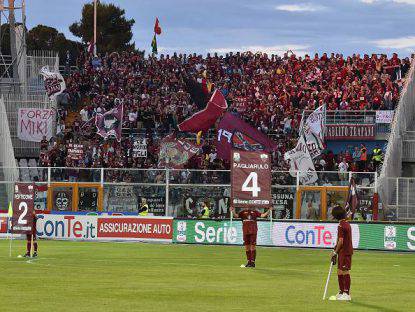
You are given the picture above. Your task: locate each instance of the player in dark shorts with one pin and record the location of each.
(250, 229)
(343, 251)
(29, 239)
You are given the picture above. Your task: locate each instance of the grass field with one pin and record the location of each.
(81, 276)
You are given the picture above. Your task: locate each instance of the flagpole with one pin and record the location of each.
(95, 27)
(10, 237)
(270, 225)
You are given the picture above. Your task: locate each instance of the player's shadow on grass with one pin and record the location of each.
(372, 306)
(278, 272)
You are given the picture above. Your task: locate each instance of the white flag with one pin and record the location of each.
(300, 160)
(313, 129)
(54, 82)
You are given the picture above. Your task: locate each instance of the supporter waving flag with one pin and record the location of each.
(110, 123)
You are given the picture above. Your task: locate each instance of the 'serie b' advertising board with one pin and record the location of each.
(296, 234)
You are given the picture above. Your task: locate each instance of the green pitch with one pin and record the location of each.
(80, 276)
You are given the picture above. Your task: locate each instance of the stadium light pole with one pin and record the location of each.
(95, 27)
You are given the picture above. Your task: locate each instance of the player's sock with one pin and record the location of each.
(248, 255)
(35, 246)
(341, 283)
(254, 255)
(28, 247)
(346, 283)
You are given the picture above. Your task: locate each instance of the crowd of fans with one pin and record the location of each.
(269, 92)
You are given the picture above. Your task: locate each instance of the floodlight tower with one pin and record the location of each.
(13, 65)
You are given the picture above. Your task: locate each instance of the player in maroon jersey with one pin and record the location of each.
(343, 251)
(250, 229)
(29, 239)
(38, 188)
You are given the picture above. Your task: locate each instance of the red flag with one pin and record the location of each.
(157, 28)
(205, 118)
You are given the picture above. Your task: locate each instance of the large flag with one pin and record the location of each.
(313, 129)
(154, 45)
(236, 133)
(54, 82)
(301, 161)
(175, 153)
(157, 28)
(110, 123)
(204, 119)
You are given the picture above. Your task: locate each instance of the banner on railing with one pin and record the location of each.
(35, 123)
(350, 132)
(140, 147)
(156, 205)
(283, 203)
(384, 116)
(75, 151)
(122, 198)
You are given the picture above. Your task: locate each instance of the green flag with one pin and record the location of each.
(10, 210)
(154, 44)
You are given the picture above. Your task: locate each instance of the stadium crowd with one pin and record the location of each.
(269, 92)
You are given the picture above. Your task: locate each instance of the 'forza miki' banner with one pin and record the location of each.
(296, 234)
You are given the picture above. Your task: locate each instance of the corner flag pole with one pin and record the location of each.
(10, 242)
(270, 224)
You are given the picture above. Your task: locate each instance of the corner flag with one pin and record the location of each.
(10, 212)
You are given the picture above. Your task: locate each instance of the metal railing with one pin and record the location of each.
(404, 116)
(401, 205)
(168, 188)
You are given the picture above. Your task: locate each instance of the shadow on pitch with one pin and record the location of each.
(277, 272)
(372, 306)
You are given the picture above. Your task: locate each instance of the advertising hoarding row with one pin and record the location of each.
(370, 236)
(396, 237)
(84, 227)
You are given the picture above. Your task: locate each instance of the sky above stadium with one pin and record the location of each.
(272, 26)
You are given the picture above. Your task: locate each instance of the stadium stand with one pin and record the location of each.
(268, 91)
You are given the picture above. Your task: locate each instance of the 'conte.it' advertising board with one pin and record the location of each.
(107, 228)
(251, 179)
